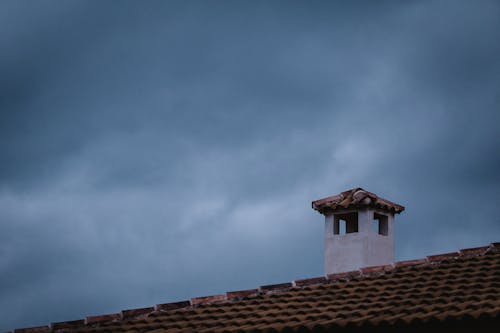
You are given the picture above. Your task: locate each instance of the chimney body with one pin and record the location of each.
(359, 230)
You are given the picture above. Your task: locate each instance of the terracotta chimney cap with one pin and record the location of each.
(355, 198)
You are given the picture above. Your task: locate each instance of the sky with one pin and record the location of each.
(156, 151)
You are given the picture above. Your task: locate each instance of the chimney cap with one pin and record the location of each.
(355, 198)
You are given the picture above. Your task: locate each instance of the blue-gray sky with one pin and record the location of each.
(157, 151)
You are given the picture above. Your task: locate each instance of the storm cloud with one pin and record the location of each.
(153, 152)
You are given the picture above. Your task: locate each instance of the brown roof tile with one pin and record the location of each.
(172, 306)
(414, 262)
(241, 293)
(310, 281)
(376, 269)
(36, 329)
(131, 313)
(495, 245)
(474, 250)
(344, 276)
(207, 299)
(444, 256)
(67, 324)
(279, 286)
(451, 290)
(102, 318)
(355, 198)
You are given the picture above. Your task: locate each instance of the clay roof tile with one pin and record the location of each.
(355, 198)
(448, 289)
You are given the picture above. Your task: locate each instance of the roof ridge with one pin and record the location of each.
(231, 296)
(355, 198)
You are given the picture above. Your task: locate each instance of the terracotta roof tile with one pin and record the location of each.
(172, 306)
(355, 198)
(132, 313)
(442, 291)
(310, 281)
(279, 286)
(376, 269)
(241, 293)
(474, 250)
(102, 318)
(207, 299)
(344, 276)
(67, 324)
(36, 329)
(444, 256)
(414, 262)
(495, 245)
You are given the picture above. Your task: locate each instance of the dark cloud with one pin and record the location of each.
(156, 152)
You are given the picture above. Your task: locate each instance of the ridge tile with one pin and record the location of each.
(208, 299)
(35, 329)
(67, 324)
(344, 276)
(172, 306)
(444, 256)
(241, 293)
(278, 286)
(406, 263)
(102, 318)
(376, 269)
(131, 313)
(474, 250)
(310, 281)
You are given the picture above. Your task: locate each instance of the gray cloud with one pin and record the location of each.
(152, 153)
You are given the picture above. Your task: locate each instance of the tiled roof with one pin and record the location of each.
(355, 198)
(449, 291)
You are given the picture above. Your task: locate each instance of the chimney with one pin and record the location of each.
(359, 230)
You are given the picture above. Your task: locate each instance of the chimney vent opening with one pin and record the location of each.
(380, 224)
(345, 223)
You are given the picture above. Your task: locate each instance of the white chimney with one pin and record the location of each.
(359, 230)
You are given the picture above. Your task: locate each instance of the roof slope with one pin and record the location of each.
(355, 198)
(460, 289)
